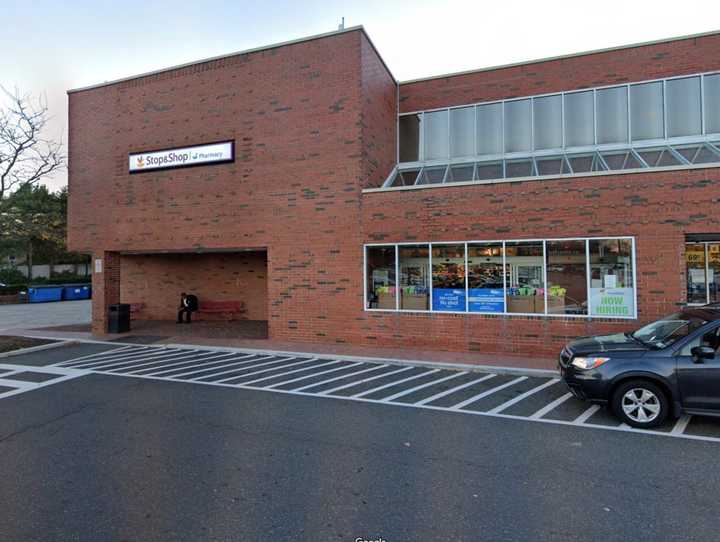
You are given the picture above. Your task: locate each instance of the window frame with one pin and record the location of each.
(703, 138)
(706, 247)
(502, 243)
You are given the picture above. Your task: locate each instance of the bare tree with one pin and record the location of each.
(25, 156)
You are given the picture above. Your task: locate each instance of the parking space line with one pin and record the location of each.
(391, 384)
(363, 381)
(551, 406)
(341, 377)
(420, 387)
(681, 424)
(132, 359)
(283, 366)
(181, 365)
(112, 351)
(452, 390)
(15, 383)
(324, 364)
(235, 369)
(158, 363)
(586, 415)
(522, 396)
(237, 361)
(312, 375)
(487, 392)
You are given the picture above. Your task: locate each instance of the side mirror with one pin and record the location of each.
(700, 353)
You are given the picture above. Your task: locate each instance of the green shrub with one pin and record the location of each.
(10, 275)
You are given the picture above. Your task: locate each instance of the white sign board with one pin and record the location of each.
(98, 265)
(198, 155)
(612, 302)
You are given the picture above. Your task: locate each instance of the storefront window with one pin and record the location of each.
(525, 277)
(560, 277)
(485, 278)
(448, 278)
(381, 285)
(703, 267)
(612, 290)
(567, 277)
(414, 261)
(713, 272)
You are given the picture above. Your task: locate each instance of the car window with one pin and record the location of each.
(667, 331)
(711, 339)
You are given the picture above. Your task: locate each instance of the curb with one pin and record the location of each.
(31, 349)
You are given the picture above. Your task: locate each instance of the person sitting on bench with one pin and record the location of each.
(188, 305)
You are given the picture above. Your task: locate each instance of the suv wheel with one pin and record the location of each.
(641, 404)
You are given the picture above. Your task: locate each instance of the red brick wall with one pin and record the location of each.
(314, 123)
(612, 67)
(158, 280)
(659, 208)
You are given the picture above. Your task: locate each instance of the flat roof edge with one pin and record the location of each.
(229, 55)
(561, 57)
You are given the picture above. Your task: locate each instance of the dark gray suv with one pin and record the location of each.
(663, 369)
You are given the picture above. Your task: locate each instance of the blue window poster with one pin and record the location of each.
(448, 299)
(486, 300)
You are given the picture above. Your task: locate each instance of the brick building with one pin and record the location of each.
(501, 210)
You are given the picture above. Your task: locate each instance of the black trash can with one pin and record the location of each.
(119, 318)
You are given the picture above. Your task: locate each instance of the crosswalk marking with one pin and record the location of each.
(352, 384)
(394, 383)
(522, 396)
(551, 406)
(342, 377)
(586, 415)
(306, 375)
(487, 393)
(335, 362)
(237, 361)
(420, 387)
(453, 390)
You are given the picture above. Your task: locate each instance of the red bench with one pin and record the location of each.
(226, 309)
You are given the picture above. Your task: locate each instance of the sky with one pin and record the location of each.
(53, 46)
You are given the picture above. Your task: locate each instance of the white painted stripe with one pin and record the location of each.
(487, 392)
(131, 359)
(396, 383)
(341, 377)
(236, 362)
(313, 375)
(235, 369)
(42, 384)
(15, 383)
(547, 408)
(187, 364)
(50, 369)
(525, 395)
(453, 390)
(420, 387)
(586, 415)
(112, 351)
(145, 362)
(443, 409)
(282, 366)
(326, 363)
(165, 364)
(681, 424)
(364, 380)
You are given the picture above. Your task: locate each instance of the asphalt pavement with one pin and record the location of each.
(110, 457)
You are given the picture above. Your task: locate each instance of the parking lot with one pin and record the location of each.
(125, 442)
(538, 397)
